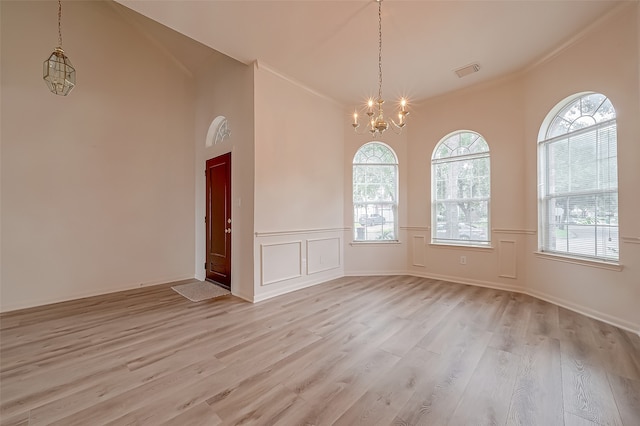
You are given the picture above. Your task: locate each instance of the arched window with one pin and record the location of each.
(218, 131)
(461, 179)
(578, 179)
(375, 193)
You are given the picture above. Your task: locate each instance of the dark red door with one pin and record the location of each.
(218, 220)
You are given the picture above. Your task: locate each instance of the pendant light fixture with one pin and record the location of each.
(377, 122)
(57, 70)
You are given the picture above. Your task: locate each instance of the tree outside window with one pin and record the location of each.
(375, 193)
(578, 180)
(461, 190)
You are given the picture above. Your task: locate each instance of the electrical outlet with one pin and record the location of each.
(463, 260)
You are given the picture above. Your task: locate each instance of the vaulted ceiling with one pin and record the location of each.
(331, 46)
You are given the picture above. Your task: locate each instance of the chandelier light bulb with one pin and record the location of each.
(379, 124)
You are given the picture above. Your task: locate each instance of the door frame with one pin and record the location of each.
(222, 278)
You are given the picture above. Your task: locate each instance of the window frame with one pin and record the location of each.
(452, 159)
(545, 182)
(391, 207)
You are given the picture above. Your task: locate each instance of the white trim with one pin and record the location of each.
(150, 38)
(242, 296)
(611, 266)
(100, 292)
(415, 228)
(299, 231)
(576, 37)
(423, 243)
(453, 246)
(591, 313)
(264, 282)
(630, 240)
(514, 231)
(502, 244)
(467, 281)
(278, 291)
(328, 268)
(355, 243)
(261, 65)
(375, 273)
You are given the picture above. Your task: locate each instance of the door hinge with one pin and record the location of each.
(205, 265)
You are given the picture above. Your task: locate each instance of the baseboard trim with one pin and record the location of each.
(293, 287)
(38, 303)
(466, 281)
(591, 313)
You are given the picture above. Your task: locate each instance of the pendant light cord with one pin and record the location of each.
(59, 23)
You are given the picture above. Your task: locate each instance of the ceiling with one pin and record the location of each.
(331, 46)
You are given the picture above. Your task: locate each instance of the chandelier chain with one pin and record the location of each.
(59, 23)
(377, 122)
(379, 49)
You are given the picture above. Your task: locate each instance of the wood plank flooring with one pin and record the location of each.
(354, 351)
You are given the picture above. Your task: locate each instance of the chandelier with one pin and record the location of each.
(57, 70)
(377, 122)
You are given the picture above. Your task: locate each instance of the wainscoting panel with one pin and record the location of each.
(281, 261)
(507, 258)
(419, 244)
(323, 254)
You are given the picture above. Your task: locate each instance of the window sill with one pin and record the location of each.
(600, 264)
(374, 242)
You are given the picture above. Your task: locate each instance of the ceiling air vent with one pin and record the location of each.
(466, 70)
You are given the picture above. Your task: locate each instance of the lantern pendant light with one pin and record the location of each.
(57, 71)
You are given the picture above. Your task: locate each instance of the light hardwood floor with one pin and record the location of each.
(375, 350)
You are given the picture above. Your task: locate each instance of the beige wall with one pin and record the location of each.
(97, 187)
(373, 258)
(494, 111)
(104, 190)
(299, 184)
(604, 61)
(509, 113)
(225, 87)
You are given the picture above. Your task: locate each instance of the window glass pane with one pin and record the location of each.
(605, 112)
(589, 104)
(559, 126)
(578, 192)
(582, 159)
(461, 190)
(558, 167)
(375, 177)
(607, 158)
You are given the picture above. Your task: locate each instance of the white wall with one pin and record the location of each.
(604, 61)
(373, 258)
(104, 190)
(493, 110)
(299, 184)
(225, 87)
(97, 187)
(508, 114)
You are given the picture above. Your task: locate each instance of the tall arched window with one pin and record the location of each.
(461, 179)
(375, 193)
(578, 179)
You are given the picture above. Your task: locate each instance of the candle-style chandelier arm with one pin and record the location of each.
(374, 111)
